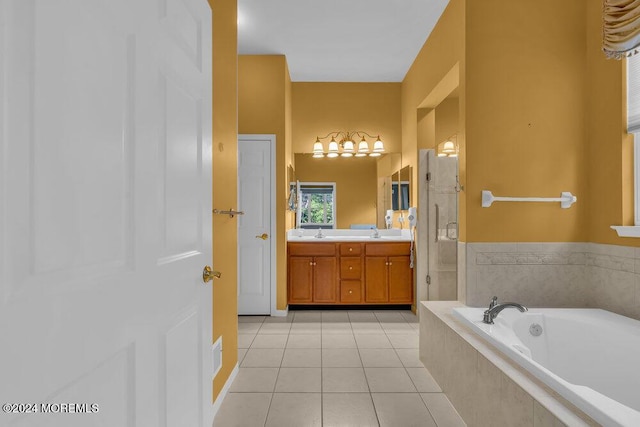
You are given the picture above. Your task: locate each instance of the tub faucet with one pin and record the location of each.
(494, 310)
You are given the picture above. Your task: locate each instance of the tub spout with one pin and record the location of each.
(493, 312)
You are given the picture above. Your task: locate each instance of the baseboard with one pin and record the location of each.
(227, 385)
(280, 313)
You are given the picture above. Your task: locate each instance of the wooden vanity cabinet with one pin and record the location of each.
(388, 275)
(349, 273)
(312, 273)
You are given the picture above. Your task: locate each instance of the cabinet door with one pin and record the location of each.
(300, 279)
(324, 279)
(400, 279)
(376, 289)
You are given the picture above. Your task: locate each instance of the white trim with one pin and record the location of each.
(280, 313)
(223, 393)
(627, 230)
(273, 232)
(636, 180)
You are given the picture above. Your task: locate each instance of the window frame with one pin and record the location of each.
(301, 192)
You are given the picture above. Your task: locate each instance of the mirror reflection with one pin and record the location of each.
(365, 188)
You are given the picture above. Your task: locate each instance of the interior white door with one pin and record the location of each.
(105, 204)
(256, 245)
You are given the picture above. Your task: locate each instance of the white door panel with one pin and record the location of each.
(105, 197)
(255, 255)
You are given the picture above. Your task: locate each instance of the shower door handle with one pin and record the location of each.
(437, 222)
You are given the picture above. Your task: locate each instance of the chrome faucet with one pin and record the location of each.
(495, 309)
(376, 233)
(319, 234)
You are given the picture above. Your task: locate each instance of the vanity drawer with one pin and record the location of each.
(388, 249)
(350, 249)
(312, 249)
(350, 268)
(350, 291)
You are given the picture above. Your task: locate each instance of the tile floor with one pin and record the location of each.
(333, 368)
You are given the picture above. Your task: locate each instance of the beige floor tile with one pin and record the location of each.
(335, 316)
(251, 319)
(367, 328)
(415, 326)
(442, 410)
(390, 316)
(302, 358)
(248, 328)
(341, 358)
(379, 358)
(409, 317)
(245, 340)
(255, 380)
(243, 409)
(299, 380)
(274, 328)
(401, 409)
(404, 340)
(410, 357)
(372, 340)
(280, 319)
(269, 341)
(307, 316)
(344, 380)
(305, 328)
(241, 353)
(338, 341)
(263, 358)
(423, 380)
(348, 410)
(336, 328)
(389, 380)
(295, 410)
(397, 328)
(362, 317)
(304, 341)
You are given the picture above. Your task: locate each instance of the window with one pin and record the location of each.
(633, 123)
(317, 205)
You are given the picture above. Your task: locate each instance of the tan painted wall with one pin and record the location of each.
(610, 149)
(264, 101)
(319, 108)
(525, 121)
(225, 306)
(355, 180)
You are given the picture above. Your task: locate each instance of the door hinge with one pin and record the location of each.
(428, 176)
(428, 279)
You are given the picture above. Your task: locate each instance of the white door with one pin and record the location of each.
(256, 245)
(105, 204)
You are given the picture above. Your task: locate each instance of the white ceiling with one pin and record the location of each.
(338, 40)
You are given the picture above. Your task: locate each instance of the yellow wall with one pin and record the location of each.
(264, 88)
(610, 150)
(355, 180)
(319, 108)
(225, 312)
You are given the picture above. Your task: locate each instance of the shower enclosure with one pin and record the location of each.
(437, 227)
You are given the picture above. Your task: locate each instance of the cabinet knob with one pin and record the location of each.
(350, 291)
(350, 268)
(390, 263)
(350, 249)
(310, 263)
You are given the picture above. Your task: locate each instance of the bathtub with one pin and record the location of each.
(590, 357)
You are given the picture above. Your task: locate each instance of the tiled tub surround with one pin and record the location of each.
(485, 386)
(554, 275)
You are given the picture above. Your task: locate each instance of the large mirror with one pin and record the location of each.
(365, 188)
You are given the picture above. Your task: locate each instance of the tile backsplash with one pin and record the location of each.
(554, 275)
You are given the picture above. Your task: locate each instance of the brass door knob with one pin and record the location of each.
(263, 236)
(208, 274)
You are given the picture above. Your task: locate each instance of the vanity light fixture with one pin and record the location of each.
(448, 148)
(346, 146)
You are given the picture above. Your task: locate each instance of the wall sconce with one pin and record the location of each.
(448, 148)
(346, 147)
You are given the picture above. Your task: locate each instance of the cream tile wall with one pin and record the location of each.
(553, 275)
